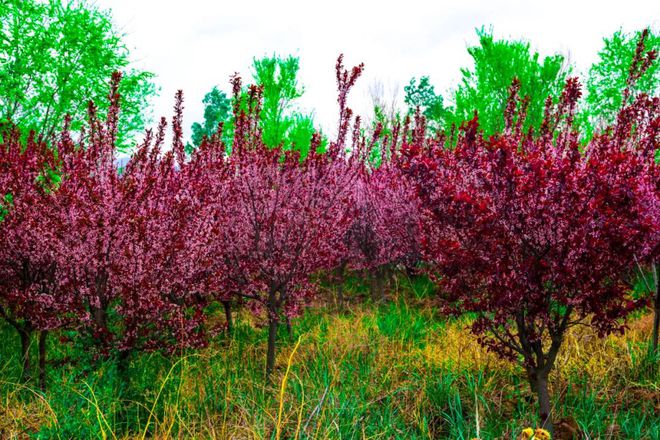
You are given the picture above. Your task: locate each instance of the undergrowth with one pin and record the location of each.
(394, 370)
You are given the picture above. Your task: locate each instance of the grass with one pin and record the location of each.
(389, 371)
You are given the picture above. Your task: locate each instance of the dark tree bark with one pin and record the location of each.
(538, 382)
(341, 279)
(26, 336)
(43, 335)
(539, 363)
(391, 283)
(24, 330)
(122, 362)
(381, 282)
(123, 385)
(378, 282)
(99, 313)
(228, 317)
(273, 323)
(289, 328)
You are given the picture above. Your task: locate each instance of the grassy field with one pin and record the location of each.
(393, 371)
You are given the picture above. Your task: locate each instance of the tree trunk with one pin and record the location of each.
(25, 335)
(42, 359)
(381, 284)
(289, 328)
(538, 382)
(98, 313)
(656, 315)
(123, 384)
(273, 323)
(228, 318)
(376, 288)
(123, 362)
(98, 309)
(391, 282)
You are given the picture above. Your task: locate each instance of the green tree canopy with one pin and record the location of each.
(485, 86)
(606, 79)
(422, 94)
(57, 55)
(217, 108)
(279, 78)
(281, 122)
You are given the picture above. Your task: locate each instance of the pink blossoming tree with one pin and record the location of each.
(533, 233)
(28, 299)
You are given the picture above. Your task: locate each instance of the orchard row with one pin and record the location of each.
(533, 232)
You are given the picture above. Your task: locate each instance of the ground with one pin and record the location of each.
(396, 370)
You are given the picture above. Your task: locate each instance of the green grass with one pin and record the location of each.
(390, 371)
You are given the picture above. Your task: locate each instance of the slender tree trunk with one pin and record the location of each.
(391, 281)
(43, 335)
(545, 406)
(99, 313)
(123, 387)
(228, 318)
(373, 285)
(378, 284)
(122, 365)
(410, 271)
(656, 315)
(100, 320)
(124, 382)
(289, 328)
(538, 382)
(25, 335)
(273, 323)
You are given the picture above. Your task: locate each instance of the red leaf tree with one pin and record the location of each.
(532, 233)
(384, 230)
(125, 250)
(278, 220)
(28, 300)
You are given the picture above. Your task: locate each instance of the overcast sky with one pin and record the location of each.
(196, 44)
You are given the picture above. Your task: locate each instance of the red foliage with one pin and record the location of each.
(122, 244)
(533, 233)
(26, 259)
(276, 220)
(536, 235)
(384, 229)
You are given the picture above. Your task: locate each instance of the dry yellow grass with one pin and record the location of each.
(398, 372)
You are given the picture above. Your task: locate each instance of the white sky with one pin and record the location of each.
(196, 44)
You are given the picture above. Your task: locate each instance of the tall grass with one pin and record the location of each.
(393, 370)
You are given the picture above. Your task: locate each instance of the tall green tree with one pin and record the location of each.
(57, 55)
(422, 94)
(217, 109)
(281, 122)
(485, 86)
(279, 78)
(608, 76)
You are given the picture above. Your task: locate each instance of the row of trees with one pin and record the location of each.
(533, 233)
(280, 121)
(483, 86)
(522, 222)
